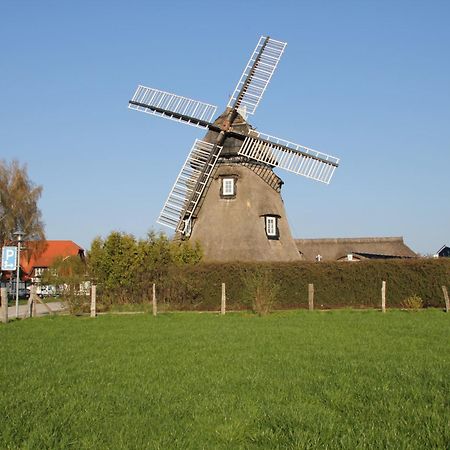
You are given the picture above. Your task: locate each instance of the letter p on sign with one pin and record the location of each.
(9, 258)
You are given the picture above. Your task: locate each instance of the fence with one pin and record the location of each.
(221, 287)
(335, 285)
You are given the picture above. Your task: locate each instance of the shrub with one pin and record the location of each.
(76, 303)
(261, 290)
(413, 302)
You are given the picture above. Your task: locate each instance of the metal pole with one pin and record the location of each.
(19, 239)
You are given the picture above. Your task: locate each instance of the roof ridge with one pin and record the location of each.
(350, 240)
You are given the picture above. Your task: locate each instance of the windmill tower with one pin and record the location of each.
(226, 195)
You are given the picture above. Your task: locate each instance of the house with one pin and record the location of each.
(35, 263)
(353, 249)
(443, 252)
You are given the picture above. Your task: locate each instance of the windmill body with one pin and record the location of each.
(226, 195)
(233, 227)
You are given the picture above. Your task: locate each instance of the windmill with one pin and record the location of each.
(226, 195)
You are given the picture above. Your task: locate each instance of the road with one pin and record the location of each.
(41, 310)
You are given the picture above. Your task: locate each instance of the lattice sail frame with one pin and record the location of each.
(199, 165)
(189, 186)
(289, 156)
(172, 106)
(257, 76)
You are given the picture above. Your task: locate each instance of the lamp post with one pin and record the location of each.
(19, 233)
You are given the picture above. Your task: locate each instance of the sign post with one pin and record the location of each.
(9, 263)
(19, 235)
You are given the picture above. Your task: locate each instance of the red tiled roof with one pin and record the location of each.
(52, 250)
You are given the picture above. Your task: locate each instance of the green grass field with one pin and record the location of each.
(338, 379)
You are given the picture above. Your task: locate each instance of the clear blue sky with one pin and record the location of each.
(366, 81)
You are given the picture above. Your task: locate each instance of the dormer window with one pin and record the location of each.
(271, 224)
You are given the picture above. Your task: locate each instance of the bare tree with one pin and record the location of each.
(18, 204)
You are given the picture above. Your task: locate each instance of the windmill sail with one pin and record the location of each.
(257, 74)
(171, 106)
(289, 156)
(189, 186)
(196, 192)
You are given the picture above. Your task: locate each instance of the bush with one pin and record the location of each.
(413, 302)
(77, 304)
(336, 284)
(261, 290)
(125, 268)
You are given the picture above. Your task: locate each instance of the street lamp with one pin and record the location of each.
(19, 233)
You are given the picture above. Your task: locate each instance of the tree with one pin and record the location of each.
(18, 204)
(125, 267)
(70, 276)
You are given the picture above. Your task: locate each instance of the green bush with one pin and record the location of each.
(124, 269)
(336, 284)
(77, 304)
(260, 290)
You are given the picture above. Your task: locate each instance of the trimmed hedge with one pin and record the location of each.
(336, 284)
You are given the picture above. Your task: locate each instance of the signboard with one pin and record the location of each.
(9, 258)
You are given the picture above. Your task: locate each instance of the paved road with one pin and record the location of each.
(41, 310)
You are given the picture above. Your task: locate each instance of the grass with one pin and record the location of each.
(337, 379)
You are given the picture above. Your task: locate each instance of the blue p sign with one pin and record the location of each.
(9, 258)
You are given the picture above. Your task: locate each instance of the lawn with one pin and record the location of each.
(337, 379)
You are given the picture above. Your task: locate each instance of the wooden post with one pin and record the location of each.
(383, 296)
(4, 300)
(311, 296)
(93, 300)
(32, 302)
(37, 299)
(29, 307)
(155, 308)
(224, 300)
(447, 302)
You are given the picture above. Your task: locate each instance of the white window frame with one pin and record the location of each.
(271, 226)
(227, 183)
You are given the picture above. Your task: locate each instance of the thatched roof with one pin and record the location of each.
(234, 229)
(361, 248)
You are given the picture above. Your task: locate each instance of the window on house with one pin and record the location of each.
(227, 186)
(271, 227)
(38, 271)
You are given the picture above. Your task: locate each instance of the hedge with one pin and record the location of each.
(336, 284)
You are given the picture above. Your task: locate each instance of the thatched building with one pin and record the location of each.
(241, 215)
(353, 249)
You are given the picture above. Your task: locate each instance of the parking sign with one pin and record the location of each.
(9, 258)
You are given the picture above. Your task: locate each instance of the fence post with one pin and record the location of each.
(224, 300)
(383, 296)
(155, 309)
(32, 301)
(447, 302)
(93, 300)
(4, 300)
(311, 296)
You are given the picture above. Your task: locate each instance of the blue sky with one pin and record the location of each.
(366, 81)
